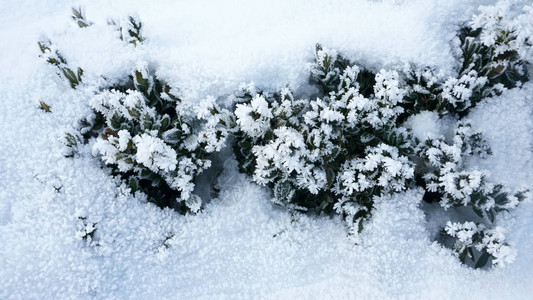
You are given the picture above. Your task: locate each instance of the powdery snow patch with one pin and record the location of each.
(507, 124)
(428, 124)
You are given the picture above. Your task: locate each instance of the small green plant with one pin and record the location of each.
(54, 58)
(153, 141)
(486, 69)
(130, 30)
(143, 132)
(78, 15)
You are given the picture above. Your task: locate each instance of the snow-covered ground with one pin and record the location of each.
(240, 245)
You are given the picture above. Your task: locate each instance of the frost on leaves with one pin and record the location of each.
(351, 143)
(155, 142)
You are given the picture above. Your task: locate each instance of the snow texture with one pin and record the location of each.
(68, 232)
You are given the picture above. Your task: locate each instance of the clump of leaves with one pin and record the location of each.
(54, 58)
(130, 30)
(337, 152)
(78, 15)
(309, 151)
(490, 61)
(144, 133)
(153, 141)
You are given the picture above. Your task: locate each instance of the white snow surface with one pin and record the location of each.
(240, 245)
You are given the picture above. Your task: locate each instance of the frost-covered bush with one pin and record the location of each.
(153, 140)
(449, 181)
(446, 173)
(354, 140)
(145, 134)
(492, 50)
(490, 243)
(361, 136)
(332, 153)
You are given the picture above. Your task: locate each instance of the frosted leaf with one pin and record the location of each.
(254, 118)
(153, 153)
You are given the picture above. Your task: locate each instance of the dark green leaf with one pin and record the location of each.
(165, 121)
(482, 260)
(330, 176)
(134, 185)
(71, 77)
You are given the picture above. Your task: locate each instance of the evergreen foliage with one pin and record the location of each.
(334, 153)
(153, 141)
(54, 58)
(78, 15)
(130, 30)
(490, 62)
(337, 152)
(144, 133)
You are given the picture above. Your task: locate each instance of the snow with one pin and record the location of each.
(506, 122)
(68, 231)
(426, 124)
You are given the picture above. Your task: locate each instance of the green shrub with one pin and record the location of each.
(353, 142)
(358, 139)
(143, 133)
